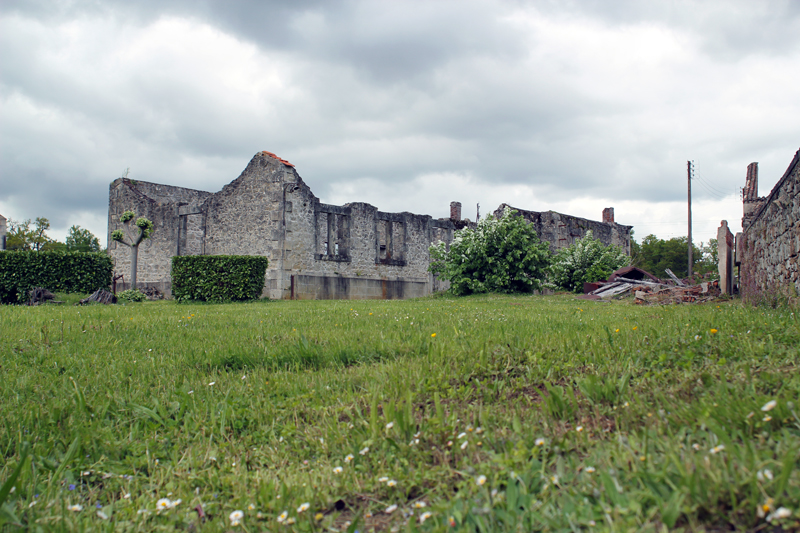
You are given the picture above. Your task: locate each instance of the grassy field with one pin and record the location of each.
(485, 414)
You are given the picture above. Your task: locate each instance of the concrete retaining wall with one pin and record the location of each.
(314, 287)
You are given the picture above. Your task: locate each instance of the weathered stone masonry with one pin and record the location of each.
(562, 231)
(2, 232)
(315, 250)
(768, 247)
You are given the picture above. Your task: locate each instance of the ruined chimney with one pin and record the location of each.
(751, 183)
(751, 203)
(608, 215)
(455, 210)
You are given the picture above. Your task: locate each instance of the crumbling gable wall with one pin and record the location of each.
(247, 216)
(770, 240)
(561, 231)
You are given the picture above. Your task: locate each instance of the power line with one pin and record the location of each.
(711, 188)
(712, 192)
(706, 182)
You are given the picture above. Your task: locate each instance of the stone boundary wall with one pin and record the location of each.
(768, 266)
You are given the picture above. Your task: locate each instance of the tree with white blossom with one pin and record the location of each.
(585, 261)
(498, 255)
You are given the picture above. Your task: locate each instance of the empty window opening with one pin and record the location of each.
(391, 241)
(385, 240)
(333, 232)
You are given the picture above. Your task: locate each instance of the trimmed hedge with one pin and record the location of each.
(218, 278)
(82, 272)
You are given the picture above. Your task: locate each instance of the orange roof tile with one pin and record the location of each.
(273, 156)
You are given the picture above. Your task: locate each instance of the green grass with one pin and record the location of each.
(580, 415)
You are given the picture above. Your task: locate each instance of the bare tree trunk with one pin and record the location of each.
(134, 261)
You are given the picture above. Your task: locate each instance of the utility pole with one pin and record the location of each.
(689, 181)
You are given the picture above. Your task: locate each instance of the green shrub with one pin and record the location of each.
(132, 295)
(499, 255)
(585, 261)
(218, 278)
(74, 272)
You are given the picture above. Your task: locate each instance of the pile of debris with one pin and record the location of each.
(705, 292)
(648, 289)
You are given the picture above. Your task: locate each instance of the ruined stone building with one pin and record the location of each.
(561, 231)
(767, 249)
(315, 250)
(3, 232)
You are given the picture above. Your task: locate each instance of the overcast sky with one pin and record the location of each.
(569, 106)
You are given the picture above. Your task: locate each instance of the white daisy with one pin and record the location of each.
(769, 406)
(236, 517)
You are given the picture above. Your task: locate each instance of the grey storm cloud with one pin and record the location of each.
(558, 100)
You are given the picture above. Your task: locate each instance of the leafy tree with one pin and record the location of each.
(656, 255)
(39, 238)
(499, 255)
(54, 246)
(709, 260)
(585, 261)
(81, 240)
(21, 236)
(135, 237)
(18, 236)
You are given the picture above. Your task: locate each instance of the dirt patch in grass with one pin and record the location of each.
(535, 393)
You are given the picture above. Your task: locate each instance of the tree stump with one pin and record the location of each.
(39, 295)
(100, 296)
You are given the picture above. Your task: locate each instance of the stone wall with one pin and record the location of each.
(768, 266)
(725, 258)
(355, 242)
(168, 208)
(315, 250)
(561, 231)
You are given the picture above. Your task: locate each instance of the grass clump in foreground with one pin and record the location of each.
(491, 413)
